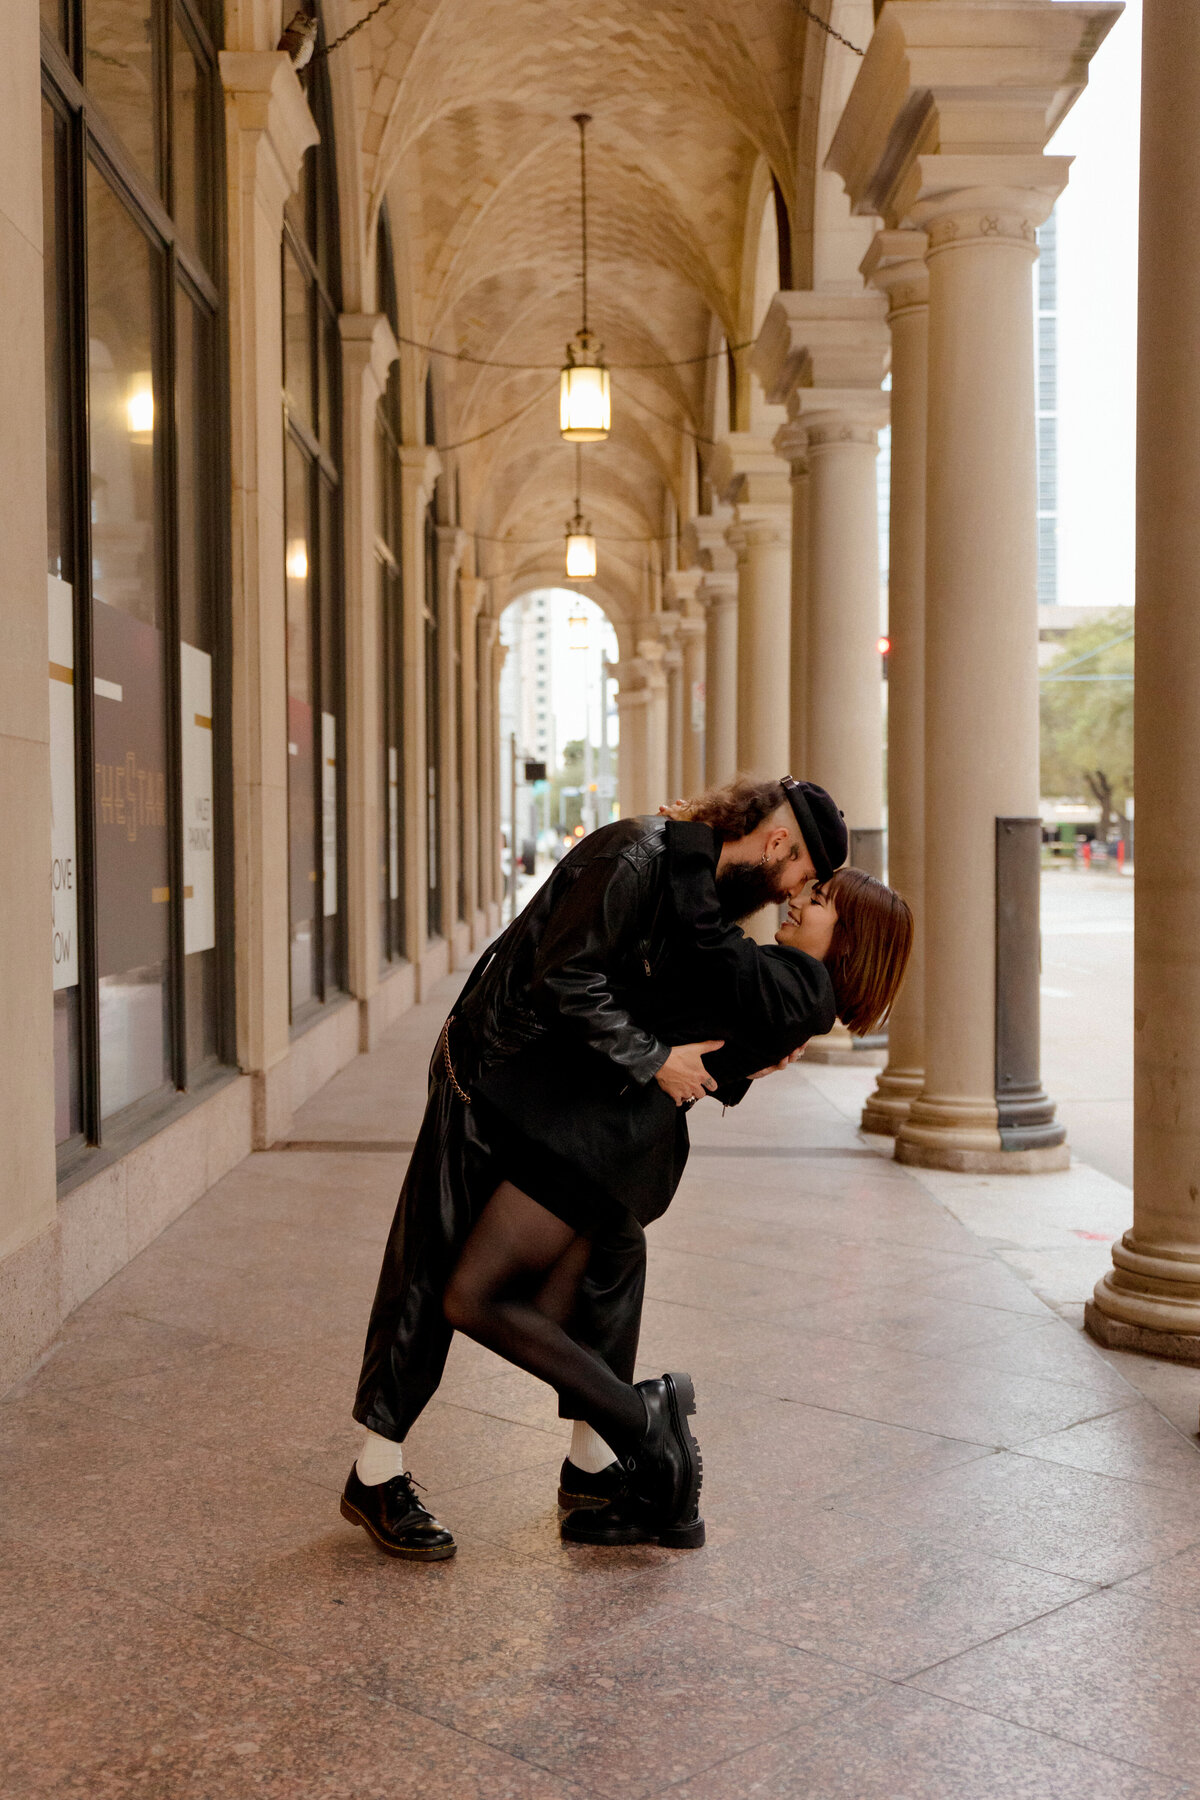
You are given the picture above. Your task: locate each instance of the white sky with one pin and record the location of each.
(1097, 325)
(575, 673)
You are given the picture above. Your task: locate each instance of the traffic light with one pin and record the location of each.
(884, 647)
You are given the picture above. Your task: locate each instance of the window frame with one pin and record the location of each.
(177, 268)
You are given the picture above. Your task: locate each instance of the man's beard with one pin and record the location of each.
(745, 888)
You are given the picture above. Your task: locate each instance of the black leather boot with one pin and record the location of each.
(663, 1474)
(576, 1487)
(391, 1514)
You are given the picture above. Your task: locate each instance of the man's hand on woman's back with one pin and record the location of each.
(683, 1076)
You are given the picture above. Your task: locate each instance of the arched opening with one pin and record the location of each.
(557, 724)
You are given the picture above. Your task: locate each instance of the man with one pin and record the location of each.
(599, 953)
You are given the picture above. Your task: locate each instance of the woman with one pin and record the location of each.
(558, 1197)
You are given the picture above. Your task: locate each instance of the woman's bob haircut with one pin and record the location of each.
(872, 942)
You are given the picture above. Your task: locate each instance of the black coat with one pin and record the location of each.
(559, 1032)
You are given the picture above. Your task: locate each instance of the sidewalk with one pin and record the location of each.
(953, 1554)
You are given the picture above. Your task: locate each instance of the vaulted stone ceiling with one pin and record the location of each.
(466, 111)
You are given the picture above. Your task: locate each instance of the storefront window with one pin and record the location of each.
(312, 570)
(389, 436)
(136, 559)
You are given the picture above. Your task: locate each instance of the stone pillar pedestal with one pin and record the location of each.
(989, 83)
(368, 350)
(1150, 1298)
(268, 127)
(895, 265)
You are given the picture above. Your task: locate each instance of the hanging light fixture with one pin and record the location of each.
(584, 400)
(581, 545)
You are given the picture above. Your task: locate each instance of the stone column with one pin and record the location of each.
(976, 73)
(751, 477)
(681, 586)
(420, 466)
(668, 623)
(487, 631)
(29, 1246)
(716, 599)
(718, 596)
(471, 593)
(368, 350)
(896, 265)
(825, 356)
(654, 786)
(451, 544)
(632, 700)
(791, 443)
(268, 127)
(1150, 1299)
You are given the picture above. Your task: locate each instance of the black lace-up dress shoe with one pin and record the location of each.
(576, 1487)
(392, 1515)
(663, 1476)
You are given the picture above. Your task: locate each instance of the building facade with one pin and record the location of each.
(279, 446)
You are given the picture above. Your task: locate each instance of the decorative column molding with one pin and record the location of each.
(895, 265)
(825, 355)
(750, 477)
(268, 127)
(791, 444)
(961, 74)
(420, 466)
(1150, 1299)
(368, 350)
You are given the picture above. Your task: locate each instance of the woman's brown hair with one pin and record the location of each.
(871, 945)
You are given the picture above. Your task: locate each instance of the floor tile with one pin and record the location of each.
(906, 1746)
(1116, 1673)
(1069, 1521)
(1136, 1444)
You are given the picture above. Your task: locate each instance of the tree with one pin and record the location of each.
(1087, 715)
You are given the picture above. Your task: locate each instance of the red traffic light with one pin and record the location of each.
(884, 645)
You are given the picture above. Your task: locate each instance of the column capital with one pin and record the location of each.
(745, 470)
(719, 587)
(422, 465)
(680, 586)
(821, 340)
(759, 527)
(895, 264)
(266, 102)
(791, 443)
(704, 540)
(960, 73)
(839, 415)
(690, 627)
(962, 200)
(368, 346)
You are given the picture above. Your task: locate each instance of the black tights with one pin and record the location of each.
(513, 1290)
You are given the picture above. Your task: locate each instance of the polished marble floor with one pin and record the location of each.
(953, 1553)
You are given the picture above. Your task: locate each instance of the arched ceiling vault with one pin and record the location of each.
(465, 118)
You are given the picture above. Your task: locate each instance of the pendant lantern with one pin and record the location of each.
(584, 397)
(581, 545)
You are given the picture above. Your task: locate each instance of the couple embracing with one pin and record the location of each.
(556, 1130)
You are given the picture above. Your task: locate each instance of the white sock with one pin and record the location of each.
(589, 1451)
(379, 1459)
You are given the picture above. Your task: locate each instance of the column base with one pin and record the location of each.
(1149, 1301)
(1115, 1334)
(964, 1135)
(889, 1106)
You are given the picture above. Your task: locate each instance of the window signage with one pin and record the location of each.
(64, 902)
(196, 737)
(133, 926)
